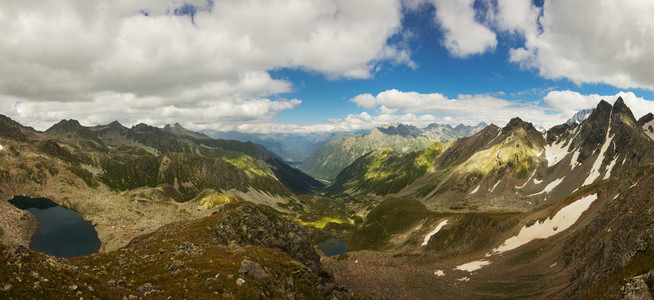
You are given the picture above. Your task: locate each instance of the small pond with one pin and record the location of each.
(60, 231)
(333, 246)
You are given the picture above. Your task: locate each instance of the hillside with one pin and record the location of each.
(129, 181)
(328, 161)
(508, 212)
(262, 255)
(512, 166)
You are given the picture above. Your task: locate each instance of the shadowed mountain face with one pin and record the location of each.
(647, 124)
(143, 155)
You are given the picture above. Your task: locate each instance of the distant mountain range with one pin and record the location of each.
(292, 147)
(329, 160)
(579, 117)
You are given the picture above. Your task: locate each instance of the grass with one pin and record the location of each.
(640, 264)
(392, 216)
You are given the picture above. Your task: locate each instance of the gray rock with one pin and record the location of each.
(255, 270)
(635, 289)
(176, 265)
(240, 281)
(147, 289)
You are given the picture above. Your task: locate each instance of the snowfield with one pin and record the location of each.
(436, 230)
(473, 265)
(550, 187)
(563, 219)
(555, 153)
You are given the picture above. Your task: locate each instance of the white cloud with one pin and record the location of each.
(219, 115)
(465, 109)
(464, 35)
(570, 101)
(517, 16)
(592, 42)
(100, 54)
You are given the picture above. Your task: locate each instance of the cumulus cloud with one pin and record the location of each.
(465, 109)
(184, 54)
(591, 42)
(571, 101)
(516, 16)
(464, 35)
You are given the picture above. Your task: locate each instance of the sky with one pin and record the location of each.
(303, 66)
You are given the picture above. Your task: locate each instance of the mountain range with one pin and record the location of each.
(507, 212)
(293, 148)
(330, 159)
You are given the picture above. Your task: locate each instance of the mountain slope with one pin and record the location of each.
(129, 181)
(510, 213)
(647, 123)
(244, 252)
(337, 154)
(517, 167)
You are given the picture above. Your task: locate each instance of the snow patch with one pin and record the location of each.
(439, 273)
(473, 265)
(549, 187)
(463, 279)
(609, 168)
(536, 181)
(498, 182)
(475, 190)
(564, 219)
(0, 147)
(573, 160)
(594, 171)
(530, 177)
(436, 230)
(555, 153)
(552, 265)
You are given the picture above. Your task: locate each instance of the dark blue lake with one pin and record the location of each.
(333, 246)
(60, 231)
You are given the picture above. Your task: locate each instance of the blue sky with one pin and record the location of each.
(322, 65)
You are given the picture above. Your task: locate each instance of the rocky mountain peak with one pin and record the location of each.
(142, 127)
(621, 113)
(647, 124)
(517, 123)
(71, 129)
(67, 125)
(579, 117)
(646, 119)
(402, 130)
(115, 124)
(12, 129)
